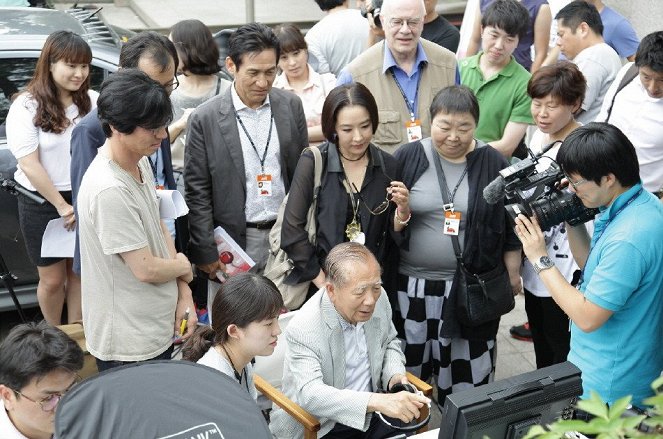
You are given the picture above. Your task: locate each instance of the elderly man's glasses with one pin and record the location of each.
(397, 23)
(380, 208)
(49, 403)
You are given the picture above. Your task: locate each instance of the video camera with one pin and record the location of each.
(537, 193)
(376, 7)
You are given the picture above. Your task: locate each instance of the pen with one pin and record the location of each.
(184, 320)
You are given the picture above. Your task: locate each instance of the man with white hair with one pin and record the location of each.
(395, 69)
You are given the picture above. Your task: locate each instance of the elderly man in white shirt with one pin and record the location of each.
(341, 350)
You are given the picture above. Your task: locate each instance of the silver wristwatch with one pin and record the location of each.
(543, 263)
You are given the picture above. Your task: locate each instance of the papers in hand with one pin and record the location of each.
(231, 254)
(171, 204)
(57, 241)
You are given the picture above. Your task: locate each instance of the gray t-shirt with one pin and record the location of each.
(431, 255)
(125, 319)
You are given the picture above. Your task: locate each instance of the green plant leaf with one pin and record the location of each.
(655, 400)
(658, 382)
(570, 425)
(594, 406)
(618, 407)
(632, 422)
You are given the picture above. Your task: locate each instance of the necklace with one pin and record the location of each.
(238, 376)
(353, 160)
(353, 230)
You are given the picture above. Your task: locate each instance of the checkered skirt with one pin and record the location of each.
(458, 363)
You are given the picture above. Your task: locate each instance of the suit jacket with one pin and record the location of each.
(314, 368)
(214, 179)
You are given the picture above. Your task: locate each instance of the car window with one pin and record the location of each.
(15, 73)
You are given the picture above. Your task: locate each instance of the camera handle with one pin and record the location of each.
(15, 189)
(8, 279)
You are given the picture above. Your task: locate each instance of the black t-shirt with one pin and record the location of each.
(443, 33)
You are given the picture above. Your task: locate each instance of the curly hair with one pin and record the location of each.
(71, 48)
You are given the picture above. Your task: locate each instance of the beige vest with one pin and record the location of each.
(440, 72)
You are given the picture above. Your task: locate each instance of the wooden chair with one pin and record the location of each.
(272, 366)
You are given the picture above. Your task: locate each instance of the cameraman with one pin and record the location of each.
(617, 310)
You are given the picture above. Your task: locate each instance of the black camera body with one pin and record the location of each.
(376, 8)
(538, 194)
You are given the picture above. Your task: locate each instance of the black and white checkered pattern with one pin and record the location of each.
(459, 364)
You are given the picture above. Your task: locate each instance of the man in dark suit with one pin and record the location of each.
(241, 152)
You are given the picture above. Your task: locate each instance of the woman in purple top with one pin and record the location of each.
(538, 34)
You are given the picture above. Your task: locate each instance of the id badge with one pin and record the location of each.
(264, 185)
(413, 129)
(451, 223)
(159, 187)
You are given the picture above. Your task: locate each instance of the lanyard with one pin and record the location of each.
(154, 165)
(441, 176)
(582, 273)
(269, 137)
(410, 106)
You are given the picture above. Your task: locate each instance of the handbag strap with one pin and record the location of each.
(444, 189)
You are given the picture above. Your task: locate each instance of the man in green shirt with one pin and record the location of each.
(498, 81)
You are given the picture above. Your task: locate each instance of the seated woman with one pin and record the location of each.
(557, 92)
(356, 186)
(436, 343)
(299, 77)
(244, 325)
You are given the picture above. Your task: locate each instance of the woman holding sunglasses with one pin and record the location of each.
(358, 199)
(447, 174)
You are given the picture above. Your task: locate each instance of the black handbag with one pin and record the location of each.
(480, 298)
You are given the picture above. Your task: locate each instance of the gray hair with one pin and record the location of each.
(342, 257)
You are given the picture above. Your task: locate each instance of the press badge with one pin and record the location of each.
(451, 223)
(413, 129)
(264, 185)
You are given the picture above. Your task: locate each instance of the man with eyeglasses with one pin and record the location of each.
(155, 55)
(616, 311)
(135, 291)
(396, 69)
(38, 365)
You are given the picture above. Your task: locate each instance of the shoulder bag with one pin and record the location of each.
(279, 265)
(480, 298)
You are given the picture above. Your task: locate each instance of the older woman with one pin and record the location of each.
(461, 356)
(300, 78)
(557, 92)
(357, 184)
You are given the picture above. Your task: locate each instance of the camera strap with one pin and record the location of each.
(447, 199)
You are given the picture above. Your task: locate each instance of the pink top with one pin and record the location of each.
(313, 96)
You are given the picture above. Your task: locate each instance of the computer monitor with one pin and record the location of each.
(506, 409)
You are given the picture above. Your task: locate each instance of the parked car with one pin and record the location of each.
(23, 32)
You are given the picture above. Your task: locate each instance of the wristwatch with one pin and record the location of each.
(543, 263)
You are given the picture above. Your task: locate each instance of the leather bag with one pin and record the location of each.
(279, 265)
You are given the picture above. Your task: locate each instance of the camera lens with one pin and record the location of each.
(559, 207)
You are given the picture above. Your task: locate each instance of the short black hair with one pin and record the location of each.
(326, 5)
(455, 99)
(33, 350)
(342, 96)
(252, 38)
(119, 107)
(509, 15)
(196, 47)
(598, 149)
(650, 52)
(578, 12)
(156, 46)
(290, 38)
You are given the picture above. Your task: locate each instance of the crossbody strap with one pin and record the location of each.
(444, 190)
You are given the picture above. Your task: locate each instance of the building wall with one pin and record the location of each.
(646, 16)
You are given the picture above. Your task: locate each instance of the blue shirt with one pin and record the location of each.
(407, 82)
(618, 33)
(624, 274)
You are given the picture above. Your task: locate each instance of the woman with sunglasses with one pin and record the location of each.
(39, 126)
(453, 161)
(360, 197)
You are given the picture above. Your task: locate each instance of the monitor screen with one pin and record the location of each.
(506, 409)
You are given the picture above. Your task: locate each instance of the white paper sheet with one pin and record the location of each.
(171, 204)
(58, 242)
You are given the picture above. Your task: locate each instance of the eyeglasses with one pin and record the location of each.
(49, 403)
(381, 208)
(173, 84)
(397, 23)
(575, 184)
